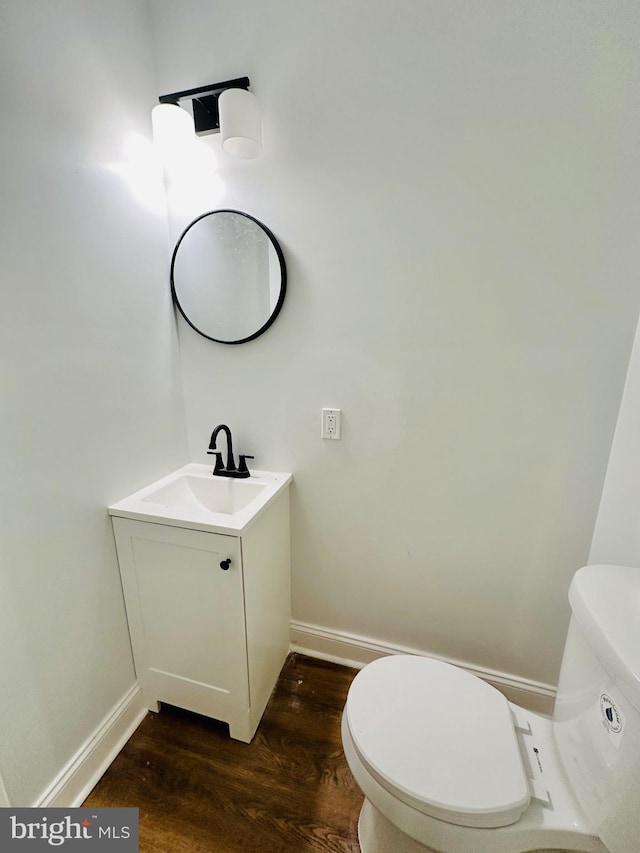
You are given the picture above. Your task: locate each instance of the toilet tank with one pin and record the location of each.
(596, 720)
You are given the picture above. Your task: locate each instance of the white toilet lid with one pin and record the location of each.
(439, 739)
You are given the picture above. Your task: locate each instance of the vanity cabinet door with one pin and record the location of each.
(186, 619)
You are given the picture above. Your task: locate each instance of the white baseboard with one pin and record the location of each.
(4, 799)
(355, 651)
(87, 766)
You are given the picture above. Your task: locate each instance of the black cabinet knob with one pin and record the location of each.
(224, 565)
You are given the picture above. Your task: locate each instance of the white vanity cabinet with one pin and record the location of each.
(208, 613)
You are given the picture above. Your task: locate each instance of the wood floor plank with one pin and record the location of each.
(289, 791)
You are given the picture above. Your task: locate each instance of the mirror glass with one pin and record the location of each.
(228, 276)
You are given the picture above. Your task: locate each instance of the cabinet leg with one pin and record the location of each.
(240, 728)
(151, 702)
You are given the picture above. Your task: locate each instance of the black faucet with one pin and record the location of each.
(228, 470)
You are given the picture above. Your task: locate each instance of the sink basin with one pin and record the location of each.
(192, 497)
(215, 494)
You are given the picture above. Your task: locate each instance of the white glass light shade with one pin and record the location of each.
(240, 124)
(173, 131)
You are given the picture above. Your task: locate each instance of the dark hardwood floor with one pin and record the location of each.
(289, 791)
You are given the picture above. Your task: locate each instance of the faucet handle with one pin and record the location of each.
(218, 466)
(242, 467)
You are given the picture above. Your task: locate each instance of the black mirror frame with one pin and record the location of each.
(283, 277)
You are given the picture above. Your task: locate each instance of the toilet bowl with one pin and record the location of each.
(448, 764)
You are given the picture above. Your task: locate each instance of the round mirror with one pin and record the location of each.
(228, 276)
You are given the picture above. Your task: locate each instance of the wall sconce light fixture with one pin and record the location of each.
(228, 108)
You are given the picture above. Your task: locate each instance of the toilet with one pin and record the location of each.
(447, 764)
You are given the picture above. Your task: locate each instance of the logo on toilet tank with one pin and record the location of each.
(611, 716)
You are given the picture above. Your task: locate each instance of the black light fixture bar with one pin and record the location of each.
(205, 103)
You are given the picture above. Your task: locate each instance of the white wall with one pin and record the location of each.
(88, 371)
(616, 537)
(452, 186)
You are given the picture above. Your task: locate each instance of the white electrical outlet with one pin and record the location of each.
(331, 423)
